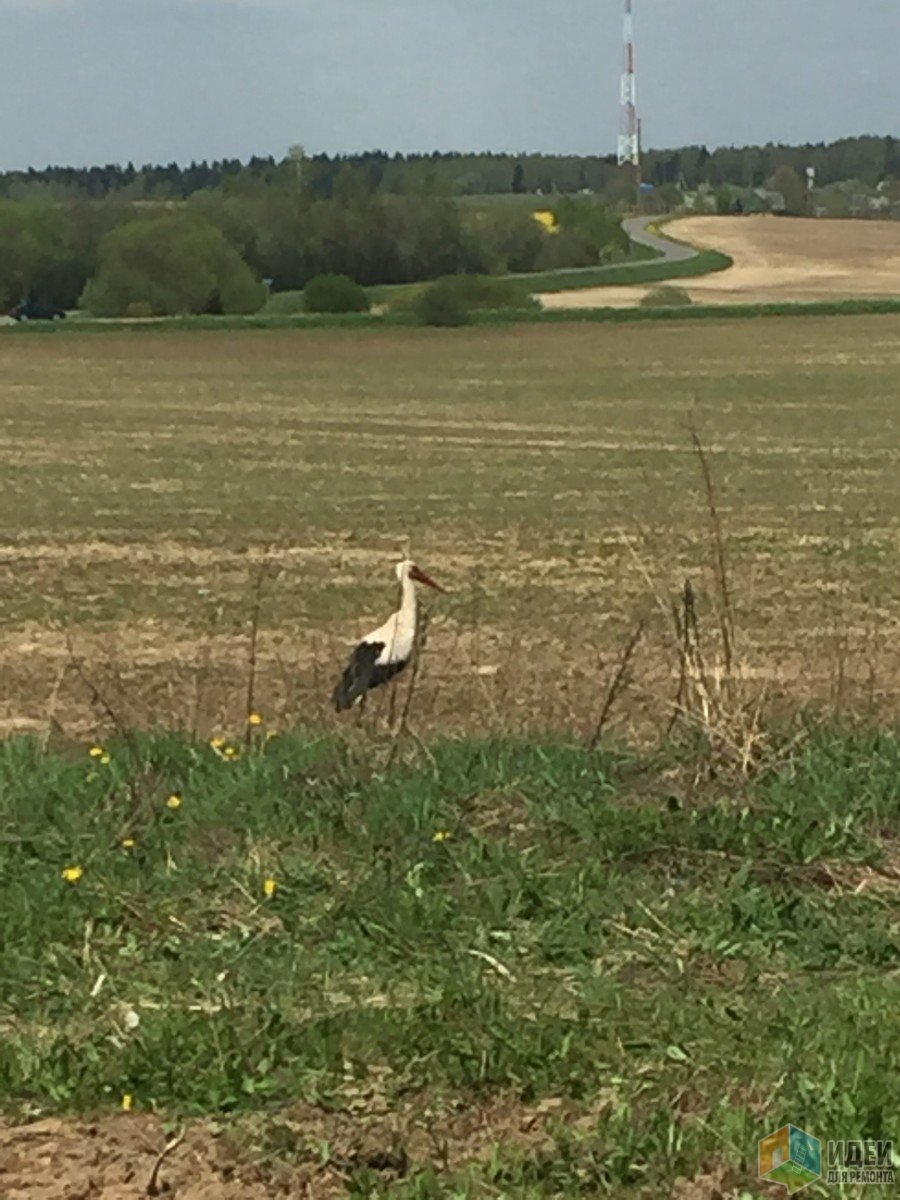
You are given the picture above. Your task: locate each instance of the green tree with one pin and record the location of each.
(787, 181)
(38, 254)
(170, 264)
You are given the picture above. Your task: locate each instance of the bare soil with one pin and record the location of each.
(775, 259)
(280, 1155)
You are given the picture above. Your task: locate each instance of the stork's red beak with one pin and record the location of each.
(421, 577)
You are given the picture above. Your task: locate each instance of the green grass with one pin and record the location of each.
(677, 975)
(647, 271)
(505, 316)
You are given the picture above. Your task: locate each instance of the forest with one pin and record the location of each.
(867, 159)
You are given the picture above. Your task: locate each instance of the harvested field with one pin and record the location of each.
(546, 475)
(317, 959)
(775, 259)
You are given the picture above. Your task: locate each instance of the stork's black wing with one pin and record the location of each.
(363, 673)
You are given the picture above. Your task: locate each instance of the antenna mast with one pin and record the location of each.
(629, 131)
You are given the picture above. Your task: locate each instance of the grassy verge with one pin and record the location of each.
(647, 267)
(512, 316)
(658, 978)
(697, 312)
(647, 271)
(190, 324)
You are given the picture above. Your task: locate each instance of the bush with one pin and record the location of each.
(286, 303)
(666, 297)
(442, 304)
(138, 310)
(449, 301)
(168, 265)
(335, 294)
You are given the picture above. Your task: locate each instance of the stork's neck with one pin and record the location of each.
(407, 600)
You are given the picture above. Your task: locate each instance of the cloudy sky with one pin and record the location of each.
(84, 81)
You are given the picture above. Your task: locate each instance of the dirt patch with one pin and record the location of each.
(114, 1160)
(280, 1155)
(719, 1184)
(775, 259)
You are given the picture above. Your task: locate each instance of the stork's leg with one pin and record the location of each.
(392, 707)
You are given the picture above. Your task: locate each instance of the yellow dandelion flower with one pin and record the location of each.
(127, 1102)
(72, 874)
(128, 843)
(174, 801)
(255, 718)
(104, 758)
(442, 835)
(96, 752)
(270, 887)
(231, 752)
(217, 743)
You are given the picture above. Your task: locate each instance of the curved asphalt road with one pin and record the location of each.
(636, 228)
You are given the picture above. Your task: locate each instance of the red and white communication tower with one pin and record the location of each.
(630, 126)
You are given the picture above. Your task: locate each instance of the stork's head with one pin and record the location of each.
(407, 569)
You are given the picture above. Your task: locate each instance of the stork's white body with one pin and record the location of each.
(397, 635)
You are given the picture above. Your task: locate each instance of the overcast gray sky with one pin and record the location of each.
(88, 81)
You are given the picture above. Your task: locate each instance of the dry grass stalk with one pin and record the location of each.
(255, 614)
(100, 700)
(618, 682)
(713, 695)
(153, 1186)
(726, 613)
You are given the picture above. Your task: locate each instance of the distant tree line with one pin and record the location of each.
(867, 159)
(220, 237)
(212, 252)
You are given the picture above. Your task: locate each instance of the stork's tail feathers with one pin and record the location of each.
(363, 673)
(343, 697)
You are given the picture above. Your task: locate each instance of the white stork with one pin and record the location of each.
(384, 653)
